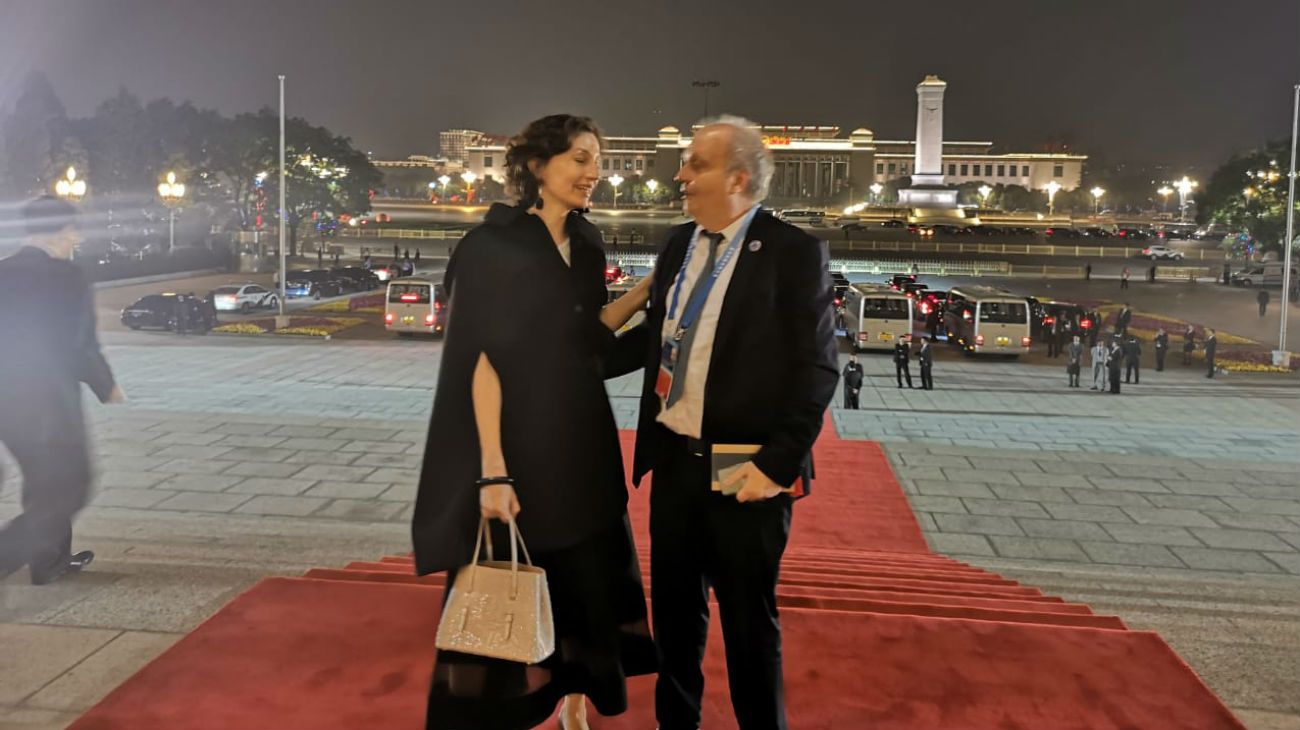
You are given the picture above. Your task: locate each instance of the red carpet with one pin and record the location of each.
(879, 633)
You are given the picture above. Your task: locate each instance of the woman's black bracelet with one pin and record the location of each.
(488, 481)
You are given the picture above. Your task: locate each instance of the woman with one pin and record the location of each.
(522, 426)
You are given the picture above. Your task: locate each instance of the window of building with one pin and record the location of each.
(952, 169)
(1024, 171)
(1002, 170)
(1058, 170)
(893, 168)
(640, 164)
(627, 164)
(964, 169)
(880, 168)
(650, 163)
(988, 170)
(604, 163)
(487, 161)
(903, 168)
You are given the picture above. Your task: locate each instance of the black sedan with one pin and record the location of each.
(360, 278)
(158, 311)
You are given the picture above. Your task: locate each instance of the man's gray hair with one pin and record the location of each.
(748, 153)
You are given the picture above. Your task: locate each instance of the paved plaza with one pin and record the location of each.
(1175, 505)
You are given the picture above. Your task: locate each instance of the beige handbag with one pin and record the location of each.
(499, 609)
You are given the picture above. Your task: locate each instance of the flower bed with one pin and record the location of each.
(361, 304)
(308, 326)
(1246, 355)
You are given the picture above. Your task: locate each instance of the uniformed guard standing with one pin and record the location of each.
(902, 353)
(925, 356)
(1133, 360)
(1074, 361)
(1162, 348)
(852, 382)
(1114, 359)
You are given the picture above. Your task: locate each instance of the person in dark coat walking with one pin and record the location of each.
(1087, 271)
(1133, 360)
(1189, 344)
(903, 355)
(1162, 348)
(1122, 320)
(1114, 361)
(551, 461)
(1123, 278)
(47, 306)
(852, 382)
(1074, 361)
(1262, 299)
(1053, 337)
(925, 356)
(1211, 346)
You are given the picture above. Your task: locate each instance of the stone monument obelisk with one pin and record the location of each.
(928, 190)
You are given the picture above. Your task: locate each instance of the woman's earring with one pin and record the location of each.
(539, 201)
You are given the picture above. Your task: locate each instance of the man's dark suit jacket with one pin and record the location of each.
(773, 370)
(48, 347)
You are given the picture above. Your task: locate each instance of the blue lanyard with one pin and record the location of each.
(701, 292)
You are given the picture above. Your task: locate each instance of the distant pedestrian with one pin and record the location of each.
(397, 252)
(1227, 273)
(1211, 346)
(1099, 354)
(852, 382)
(417, 257)
(182, 315)
(1189, 344)
(1053, 338)
(1087, 271)
(1133, 360)
(902, 354)
(1123, 278)
(46, 304)
(1074, 361)
(925, 356)
(1114, 361)
(1262, 299)
(336, 259)
(1122, 320)
(1151, 274)
(365, 262)
(1162, 348)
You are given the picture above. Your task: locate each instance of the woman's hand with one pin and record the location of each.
(498, 501)
(617, 313)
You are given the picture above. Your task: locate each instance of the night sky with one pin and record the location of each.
(1166, 81)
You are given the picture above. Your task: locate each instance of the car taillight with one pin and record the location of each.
(979, 339)
(1086, 324)
(428, 320)
(1123, 234)
(862, 337)
(388, 317)
(1024, 342)
(925, 308)
(1049, 320)
(437, 306)
(966, 315)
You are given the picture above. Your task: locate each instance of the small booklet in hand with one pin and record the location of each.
(727, 458)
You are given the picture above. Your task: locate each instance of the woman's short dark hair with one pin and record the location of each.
(541, 140)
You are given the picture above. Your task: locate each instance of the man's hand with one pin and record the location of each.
(498, 501)
(754, 484)
(117, 396)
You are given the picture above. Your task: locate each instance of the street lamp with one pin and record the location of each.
(1097, 192)
(69, 186)
(706, 85)
(876, 189)
(172, 193)
(1184, 188)
(984, 191)
(1165, 191)
(468, 177)
(653, 186)
(1052, 189)
(616, 180)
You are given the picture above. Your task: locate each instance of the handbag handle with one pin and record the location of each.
(516, 542)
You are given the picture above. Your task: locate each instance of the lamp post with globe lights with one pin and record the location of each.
(876, 189)
(468, 177)
(1164, 191)
(172, 194)
(1052, 189)
(653, 186)
(1097, 192)
(445, 180)
(1184, 188)
(69, 187)
(985, 191)
(616, 180)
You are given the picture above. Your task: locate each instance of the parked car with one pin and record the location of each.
(1161, 251)
(314, 283)
(1061, 232)
(159, 311)
(1132, 234)
(850, 223)
(1044, 314)
(897, 281)
(893, 223)
(362, 279)
(1263, 274)
(244, 298)
(840, 282)
(1095, 232)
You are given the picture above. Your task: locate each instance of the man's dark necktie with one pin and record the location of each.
(684, 348)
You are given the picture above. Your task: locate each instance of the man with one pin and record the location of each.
(700, 388)
(182, 315)
(1262, 299)
(1151, 274)
(1211, 345)
(1133, 361)
(1087, 271)
(1114, 359)
(1053, 339)
(1074, 361)
(1099, 354)
(1189, 344)
(1162, 348)
(852, 382)
(47, 325)
(1123, 278)
(903, 355)
(1122, 320)
(925, 356)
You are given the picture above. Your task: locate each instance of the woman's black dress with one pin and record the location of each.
(513, 298)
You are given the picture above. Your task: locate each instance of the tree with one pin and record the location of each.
(1017, 198)
(1249, 192)
(118, 142)
(35, 138)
